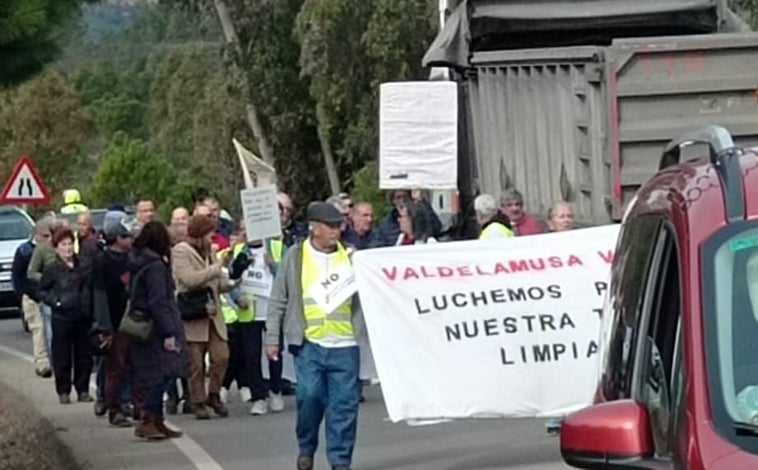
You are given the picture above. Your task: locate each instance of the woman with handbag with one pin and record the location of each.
(198, 276)
(63, 288)
(159, 354)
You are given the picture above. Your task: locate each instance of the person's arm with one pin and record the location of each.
(277, 305)
(189, 275)
(18, 271)
(36, 265)
(160, 298)
(46, 289)
(100, 307)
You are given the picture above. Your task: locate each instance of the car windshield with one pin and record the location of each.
(14, 226)
(732, 325)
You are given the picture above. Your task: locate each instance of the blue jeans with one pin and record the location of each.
(327, 383)
(47, 317)
(154, 398)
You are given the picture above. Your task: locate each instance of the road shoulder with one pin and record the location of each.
(91, 442)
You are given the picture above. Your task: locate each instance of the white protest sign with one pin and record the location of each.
(255, 171)
(257, 281)
(261, 211)
(498, 328)
(334, 289)
(418, 135)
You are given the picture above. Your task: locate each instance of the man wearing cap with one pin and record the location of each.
(314, 299)
(110, 290)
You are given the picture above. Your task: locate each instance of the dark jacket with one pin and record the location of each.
(351, 237)
(110, 283)
(296, 232)
(389, 229)
(153, 291)
(22, 284)
(64, 289)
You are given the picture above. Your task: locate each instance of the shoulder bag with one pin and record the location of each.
(137, 323)
(193, 305)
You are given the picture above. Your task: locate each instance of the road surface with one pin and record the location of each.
(244, 442)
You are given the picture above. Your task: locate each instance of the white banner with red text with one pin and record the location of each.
(499, 328)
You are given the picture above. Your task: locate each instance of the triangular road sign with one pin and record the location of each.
(25, 186)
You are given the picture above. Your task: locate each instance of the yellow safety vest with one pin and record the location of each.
(493, 228)
(231, 312)
(319, 325)
(74, 208)
(276, 249)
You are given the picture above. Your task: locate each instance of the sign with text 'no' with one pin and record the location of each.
(499, 328)
(25, 185)
(261, 211)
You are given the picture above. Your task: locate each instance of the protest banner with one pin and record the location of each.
(260, 209)
(500, 328)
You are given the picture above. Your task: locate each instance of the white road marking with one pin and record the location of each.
(186, 445)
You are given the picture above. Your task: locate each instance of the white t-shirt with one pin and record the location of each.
(258, 264)
(322, 261)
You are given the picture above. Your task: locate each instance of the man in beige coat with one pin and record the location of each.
(195, 267)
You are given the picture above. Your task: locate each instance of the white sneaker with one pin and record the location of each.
(275, 401)
(260, 407)
(246, 395)
(223, 394)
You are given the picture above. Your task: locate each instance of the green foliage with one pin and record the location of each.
(45, 119)
(271, 62)
(28, 35)
(366, 189)
(348, 49)
(129, 170)
(158, 87)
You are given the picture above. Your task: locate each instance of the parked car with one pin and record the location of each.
(16, 226)
(679, 385)
(98, 216)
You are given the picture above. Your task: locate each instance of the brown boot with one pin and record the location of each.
(170, 433)
(147, 428)
(201, 412)
(214, 401)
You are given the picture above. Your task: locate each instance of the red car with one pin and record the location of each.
(679, 388)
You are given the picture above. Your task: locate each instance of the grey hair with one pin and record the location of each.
(338, 202)
(511, 194)
(485, 205)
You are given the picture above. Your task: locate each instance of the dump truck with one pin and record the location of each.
(575, 100)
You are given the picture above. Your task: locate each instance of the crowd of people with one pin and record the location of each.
(213, 302)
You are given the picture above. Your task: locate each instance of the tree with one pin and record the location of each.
(194, 112)
(129, 170)
(45, 119)
(347, 50)
(28, 35)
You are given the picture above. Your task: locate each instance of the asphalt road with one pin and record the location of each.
(267, 442)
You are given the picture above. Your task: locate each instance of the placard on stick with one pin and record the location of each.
(261, 211)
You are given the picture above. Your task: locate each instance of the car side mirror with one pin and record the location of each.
(609, 435)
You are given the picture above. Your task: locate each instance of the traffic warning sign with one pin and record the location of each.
(25, 185)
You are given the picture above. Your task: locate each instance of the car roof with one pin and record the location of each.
(692, 194)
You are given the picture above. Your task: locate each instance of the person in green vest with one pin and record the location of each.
(493, 223)
(72, 202)
(238, 311)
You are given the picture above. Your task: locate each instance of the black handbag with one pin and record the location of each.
(137, 323)
(193, 304)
